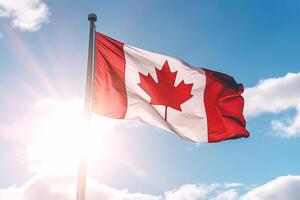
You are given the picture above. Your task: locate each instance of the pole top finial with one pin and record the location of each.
(92, 17)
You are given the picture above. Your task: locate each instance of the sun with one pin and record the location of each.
(61, 136)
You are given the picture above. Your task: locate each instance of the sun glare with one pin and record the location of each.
(62, 136)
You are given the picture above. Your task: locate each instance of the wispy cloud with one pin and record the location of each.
(191, 191)
(276, 95)
(27, 15)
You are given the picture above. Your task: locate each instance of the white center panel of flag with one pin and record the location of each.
(191, 121)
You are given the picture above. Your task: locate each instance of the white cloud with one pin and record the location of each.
(28, 15)
(64, 188)
(275, 95)
(285, 187)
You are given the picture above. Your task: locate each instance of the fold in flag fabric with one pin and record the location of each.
(197, 104)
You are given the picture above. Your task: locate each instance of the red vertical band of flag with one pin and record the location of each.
(109, 91)
(224, 107)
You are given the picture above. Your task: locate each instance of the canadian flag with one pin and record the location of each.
(195, 103)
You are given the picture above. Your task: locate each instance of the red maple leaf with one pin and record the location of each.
(164, 92)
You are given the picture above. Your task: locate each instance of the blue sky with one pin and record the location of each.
(44, 57)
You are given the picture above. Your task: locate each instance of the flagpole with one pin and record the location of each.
(81, 178)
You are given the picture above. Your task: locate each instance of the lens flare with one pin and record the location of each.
(62, 136)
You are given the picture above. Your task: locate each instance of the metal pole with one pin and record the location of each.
(81, 179)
